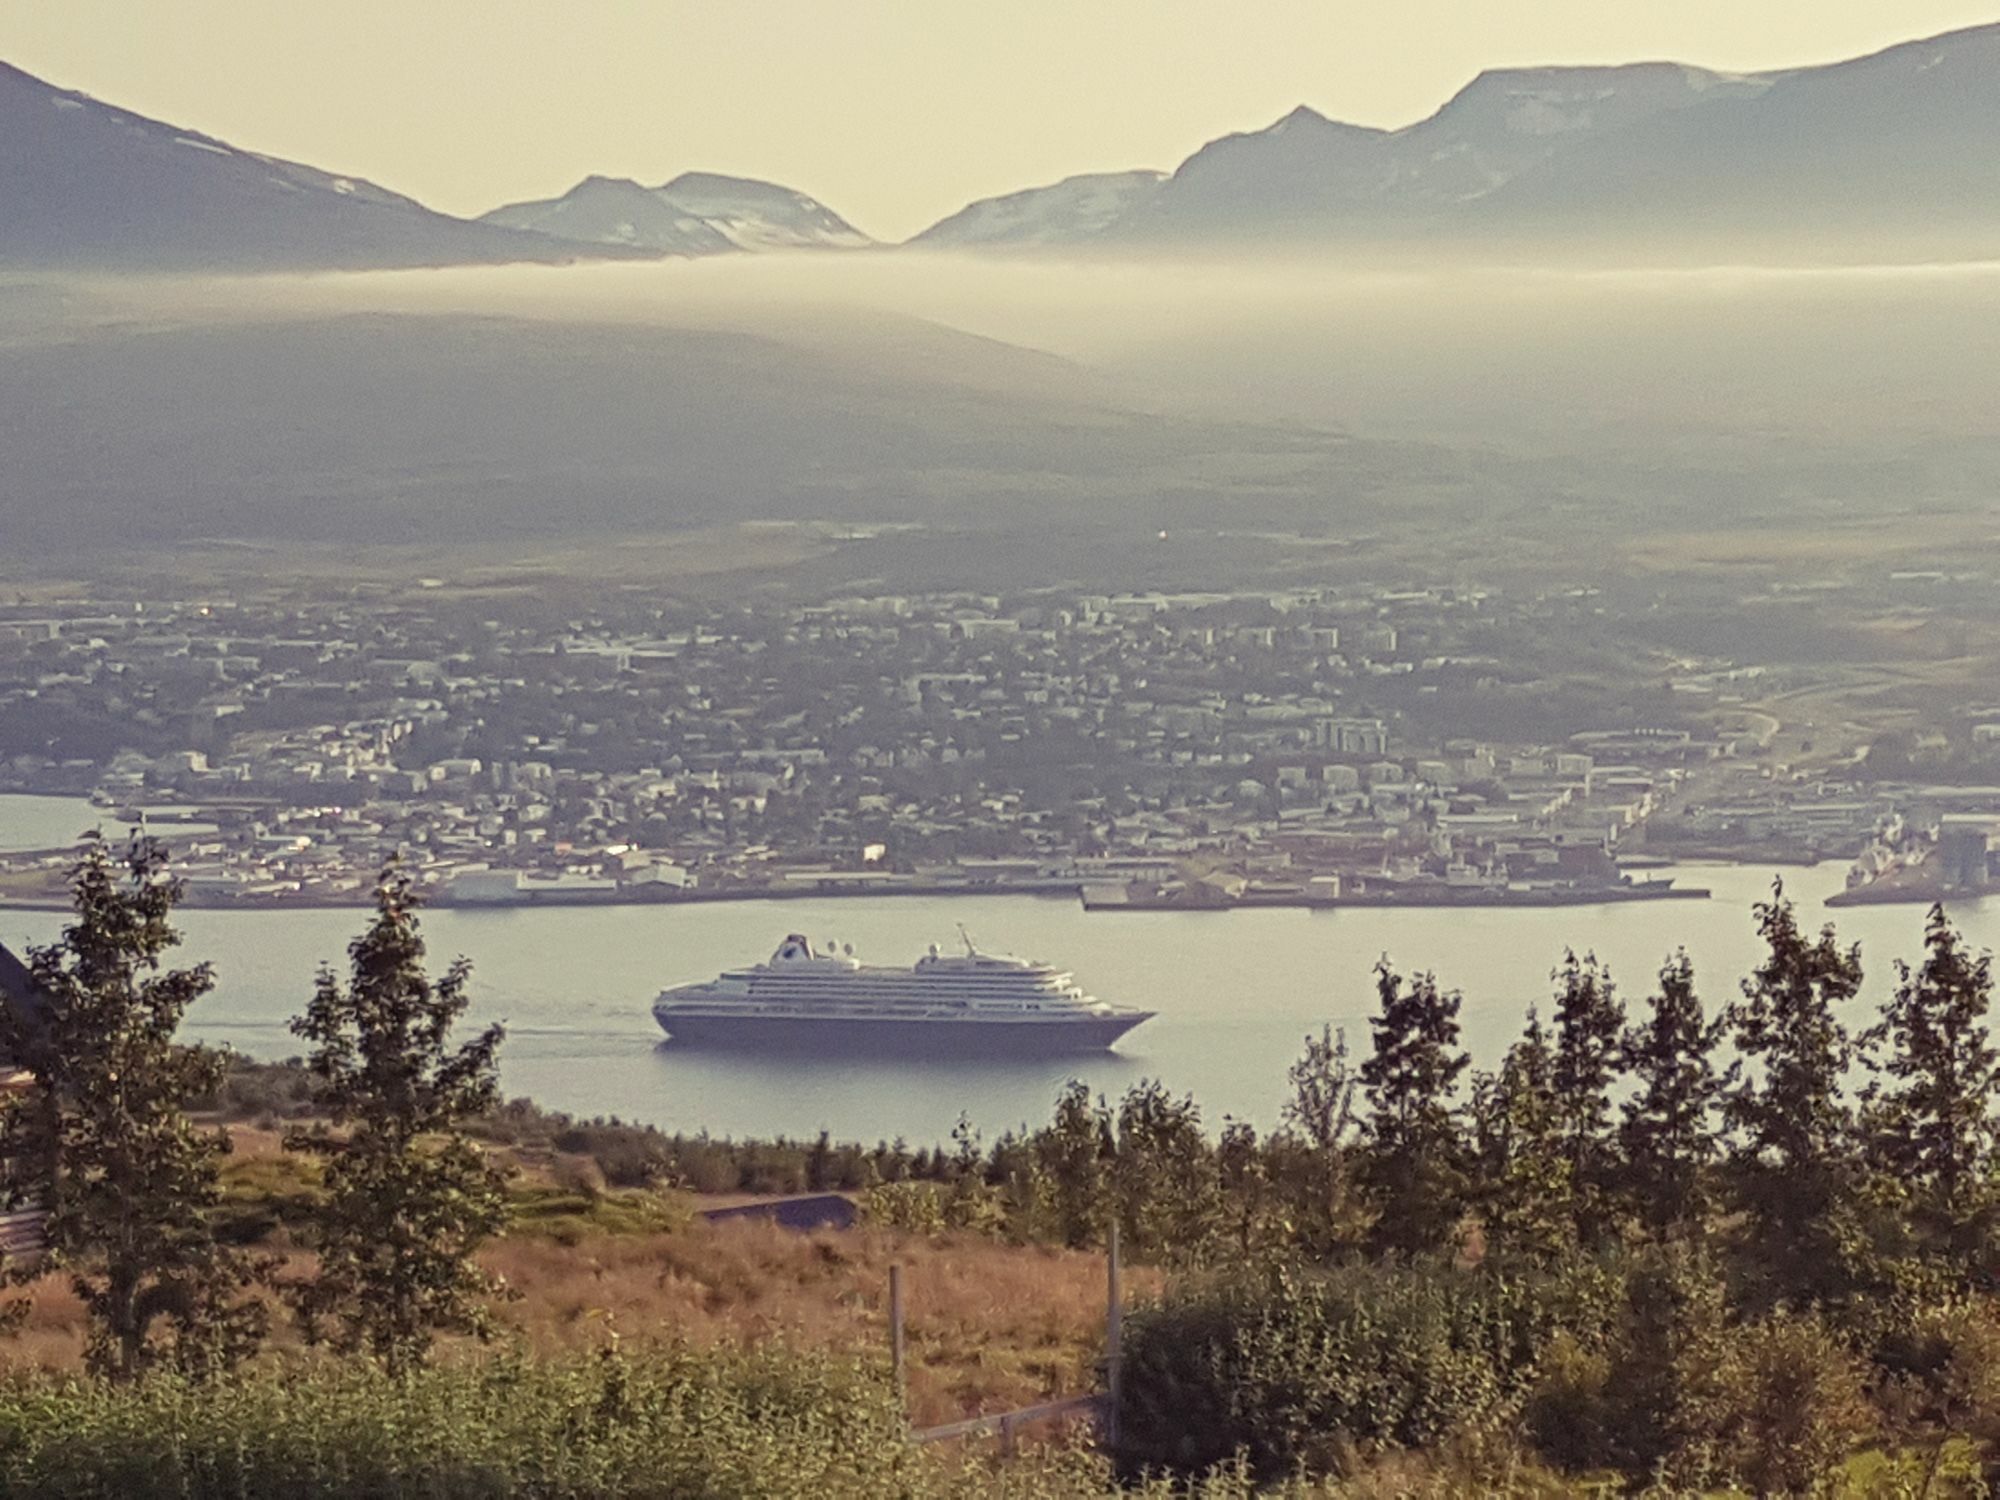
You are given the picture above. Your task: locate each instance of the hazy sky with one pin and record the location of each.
(894, 112)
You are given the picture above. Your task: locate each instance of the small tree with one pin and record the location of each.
(1164, 1175)
(1667, 1136)
(1525, 1188)
(1796, 1166)
(1071, 1152)
(1317, 1149)
(1588, 1024)
(1245, 1174)
(1413, 1155)
(105, 1144)
(1933, 1131)
(408, 1196)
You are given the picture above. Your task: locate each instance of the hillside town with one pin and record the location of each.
(1326, 745)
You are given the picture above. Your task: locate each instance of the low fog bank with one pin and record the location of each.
(929, 387)
(1441, 351)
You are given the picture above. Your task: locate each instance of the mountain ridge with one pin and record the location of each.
(93, 186)
(1567, 155)
(1882, 155)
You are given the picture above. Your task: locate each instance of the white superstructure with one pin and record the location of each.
(807, 995)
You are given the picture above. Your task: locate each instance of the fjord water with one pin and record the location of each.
(1236, 992)
(44, 822)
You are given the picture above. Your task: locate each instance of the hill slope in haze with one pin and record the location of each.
(84, 185)
(379, 428)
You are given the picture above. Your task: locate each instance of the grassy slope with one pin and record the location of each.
(990, 1325)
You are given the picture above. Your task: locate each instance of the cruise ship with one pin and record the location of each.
(957, 1004)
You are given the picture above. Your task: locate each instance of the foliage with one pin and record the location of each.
(1070, 1155)
(1795, 1164)
(407, 1197)
(1667, 1135)
(1933, 1131)
(1412, 1155)
(773, 1423)
(1526, 1176)
(1163, 1177)
(1589, 1021)
(1292, 1370)
(130, 1184)
(1792, 1404)
(1315, 1164)
(912, 1207)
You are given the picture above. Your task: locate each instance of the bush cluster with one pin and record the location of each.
(773, 1423)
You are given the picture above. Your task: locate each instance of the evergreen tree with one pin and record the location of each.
(105, 1144)
(1667, 1136)
(1412, 1153)
(1317, 1149)
(1795, 1165)
(1589, 1023)
(1525, 1188)
(819, 1164)
(408, 1196)
(1932, 1132)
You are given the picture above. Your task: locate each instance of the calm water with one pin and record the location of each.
(44, 822)
(51, 822)
(1236, 992)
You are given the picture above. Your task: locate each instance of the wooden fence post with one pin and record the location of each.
(896, 1331)
(1114, 1331)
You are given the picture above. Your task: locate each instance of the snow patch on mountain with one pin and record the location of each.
(754, 215)
(698, 213)
(83, 183)
(1061, 213)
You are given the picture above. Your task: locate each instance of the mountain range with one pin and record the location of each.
(1894, 149)
(1888, 154)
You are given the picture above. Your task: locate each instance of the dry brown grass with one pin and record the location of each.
(989, 1325)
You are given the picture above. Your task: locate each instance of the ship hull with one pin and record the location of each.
(897, 1038)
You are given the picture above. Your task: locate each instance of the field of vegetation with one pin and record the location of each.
(1667, 1246)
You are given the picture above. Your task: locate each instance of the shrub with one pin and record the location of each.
(770, 1423)
(773, 1423)
(1292, 1372)
(251, 1090)
(910, 1207)
(1792, 1403)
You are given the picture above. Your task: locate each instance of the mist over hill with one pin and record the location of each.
(386, 427)
(1014, 399)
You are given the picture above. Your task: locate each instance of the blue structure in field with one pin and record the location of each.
(806, 1212)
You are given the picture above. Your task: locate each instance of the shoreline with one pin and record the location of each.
(1863, 895)
(1443, 897)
